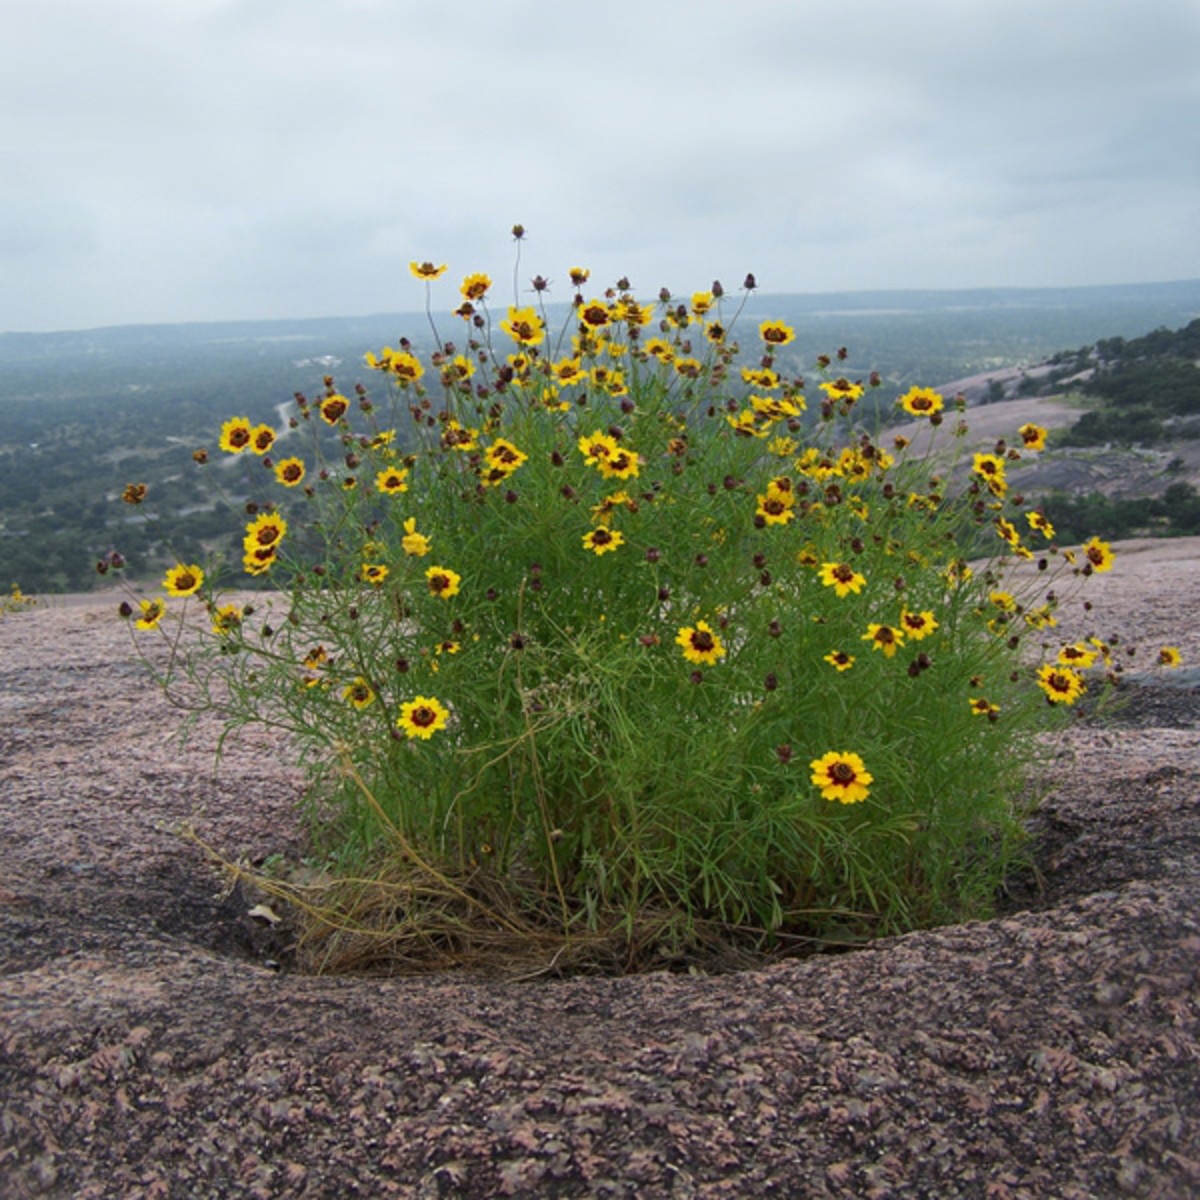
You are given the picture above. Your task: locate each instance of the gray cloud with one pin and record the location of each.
(210, 159)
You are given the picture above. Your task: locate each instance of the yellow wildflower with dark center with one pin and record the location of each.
(602, 539)
(422, 717)
(842, 389)
(619, 465)
(760, 377)
(426, 270)
(689, 368)
(714, 332)
(524, 326)
(921, 402)
(457, 437)
(289, 471)
(258, 561)
(629, 312)
(990, 468)
(505, 456)
(474, 287)
(579, 276)
(1007, 532)
(183, 580)
(413, 543)
(1033, 437)
(317, 657)
(842, 577)
(1099, 553)
(392, 481)
(594, 314)
(236, 434)
(603, 512)
(373, 573)
(776, 333)
(1041, 617)
(662, 351)
(457, 371)
(782, 447)
(568, 371)
(227, 619)
(134, 493)
(918, 625)
(841, 776)
(1004, 601)
(1076, 655)
(840, 660)
(1039, 524)
(597, 447)
(1170, 657)
(443, 582)
(1061, 684)
(982, 707)
(153, 611)
(777, 408)
(885, 638)
(702, 302)
(264, 532)
(776, 507)
(405, 367)
(748, 423)
(333, 408)
(700, 644)
(359, 693)
(262, 438)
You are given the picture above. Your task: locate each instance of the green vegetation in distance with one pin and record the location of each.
(82, 412)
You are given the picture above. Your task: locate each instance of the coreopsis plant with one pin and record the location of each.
(624, 622)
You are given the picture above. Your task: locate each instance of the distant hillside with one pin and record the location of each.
(84, 413)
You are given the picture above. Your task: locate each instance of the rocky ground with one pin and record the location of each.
(150, 1047)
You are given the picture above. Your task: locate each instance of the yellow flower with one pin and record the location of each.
(842, 577)
(990, 468)
(359, 693)
(568, 371)
(1061, 684)
(333, 408)
(1170, 657)
(842, 389)
(841, 776)
(414, 543)
(1039, 523)
(474, 287)
(983, 707)
(289, 471)
(227, 619)
(1099, 554)
(594, 314)
(443, 582)
(374, 574)
(917, 625)
(776, 507)
(183, 581)
(262, 438)
(700, 644)
(504, 456)
(236, 434)
(422, 717)
(426, 270)
(458, 437)
(152, 612)
(602, 539)
(1004, 601)
(921, 402)
(264, 533)
(392, 482)
(885, 638)
(776, 333)
(524, 326)
(621, 464)
(840, 660)
(1076, 655)
(1033, 437)
(702, 302)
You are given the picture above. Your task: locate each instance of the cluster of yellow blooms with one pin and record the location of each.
(770, 411)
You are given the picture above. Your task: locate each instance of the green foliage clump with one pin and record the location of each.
(611, 632)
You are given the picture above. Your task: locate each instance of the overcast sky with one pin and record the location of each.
(179, 160)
